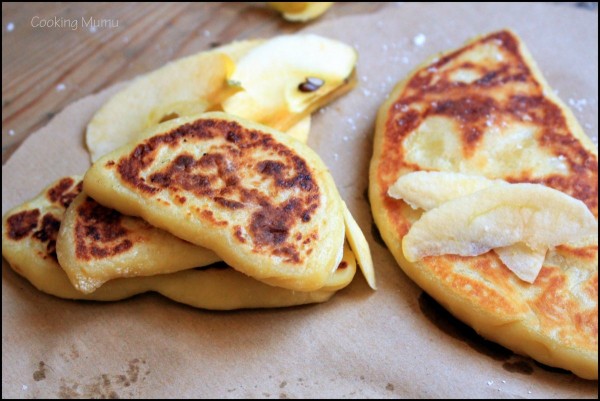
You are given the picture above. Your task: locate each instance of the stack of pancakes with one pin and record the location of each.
(211, 210)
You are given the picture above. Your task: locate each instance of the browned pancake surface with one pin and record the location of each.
(262, 201)
(485, 109)
(44, 228)
(505, 92)
(221, 176)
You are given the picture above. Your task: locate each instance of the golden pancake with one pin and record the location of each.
(262, 201)
(485, 109)
(29, 233)
(96, 244)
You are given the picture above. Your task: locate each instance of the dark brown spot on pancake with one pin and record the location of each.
(64, 192)
(22, 223)
(238, 234)
(50, 226)
(306, 217)
(270, 167)
(59, 189)
(208, 215)
(228, 203)
(110, 163)
(48, 232)
(269, 226)
(99, 232)
(343, 264)
(468, 109)
(226, 173)
(288, 253)
(233, 137)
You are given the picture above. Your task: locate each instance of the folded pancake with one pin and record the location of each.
(96, 244)
(262, 201)
(29, 234)
(485, 109)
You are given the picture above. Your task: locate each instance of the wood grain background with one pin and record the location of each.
(46, 68)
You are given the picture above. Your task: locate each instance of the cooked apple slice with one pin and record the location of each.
(300, 130)
(288, 77)
(360, 247)
(525, 262)
(197, 79)
(499, 216)
(301, 11)
(429, 189)
(163, 113)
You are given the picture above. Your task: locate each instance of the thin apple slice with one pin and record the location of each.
(197, 79)
(300, 130)
(499, 216)
(286, 76)
(429, 189)
(301, 11)
(360, 247)
(525, 262)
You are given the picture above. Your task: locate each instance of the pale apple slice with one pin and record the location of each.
(300, 130)
(499, 216)
(288, 77)
(429, 189)
(301, 11)
(167, 112)
(200, 79)
(294, 7)
(525, 262)
(360, 247)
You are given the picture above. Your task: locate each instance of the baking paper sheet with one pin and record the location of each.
(391, 343)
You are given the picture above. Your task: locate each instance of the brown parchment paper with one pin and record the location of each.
(390, 343)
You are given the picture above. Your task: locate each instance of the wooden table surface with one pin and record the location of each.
(46, 68)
